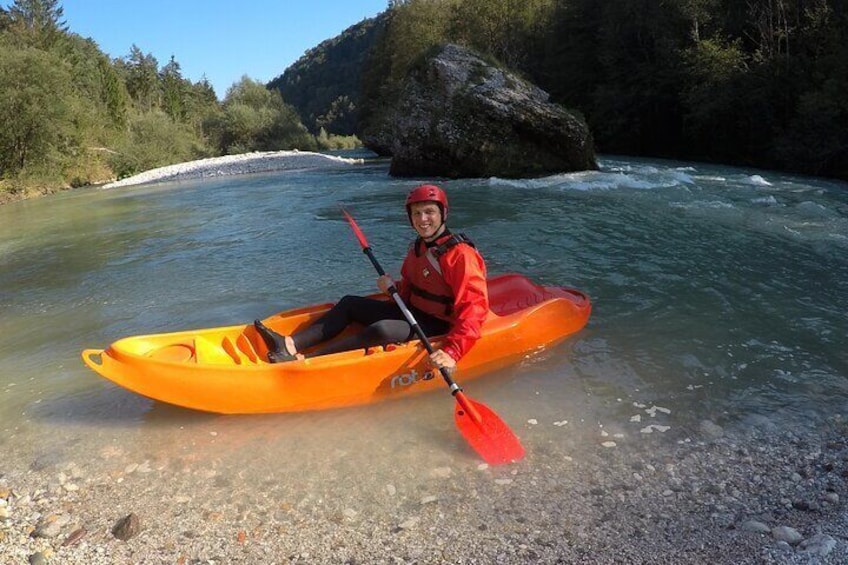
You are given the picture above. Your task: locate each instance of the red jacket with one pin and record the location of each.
(458, 294)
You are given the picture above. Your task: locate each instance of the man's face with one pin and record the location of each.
(426, 218)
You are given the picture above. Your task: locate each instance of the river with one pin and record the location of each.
(719, 294)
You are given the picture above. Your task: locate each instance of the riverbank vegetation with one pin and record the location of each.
(756, 83)
(73, 116)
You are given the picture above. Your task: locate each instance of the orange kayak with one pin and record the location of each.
(225, 370)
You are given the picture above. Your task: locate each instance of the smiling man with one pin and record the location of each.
(443, 280)
(443, 275)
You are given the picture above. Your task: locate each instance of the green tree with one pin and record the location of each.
(5, 19)
(35, 109)
(505, 29)
(256, 119)
(202, 108)
(142, 78)
(96, 81)
(174, 90)
(815, 137)
(716, 75)
(113, 92)
(38, 23)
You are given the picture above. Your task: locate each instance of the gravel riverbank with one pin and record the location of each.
(257, 162)
(755, 494)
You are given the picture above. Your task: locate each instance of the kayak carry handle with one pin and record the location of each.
(93, 358)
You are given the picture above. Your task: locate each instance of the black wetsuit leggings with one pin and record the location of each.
(383, 322)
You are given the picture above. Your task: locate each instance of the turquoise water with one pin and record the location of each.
(718, 294)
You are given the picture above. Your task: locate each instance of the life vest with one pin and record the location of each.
(428, 290)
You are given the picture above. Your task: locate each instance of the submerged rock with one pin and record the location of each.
(460, 116)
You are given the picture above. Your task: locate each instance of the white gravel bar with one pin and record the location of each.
(256, 162)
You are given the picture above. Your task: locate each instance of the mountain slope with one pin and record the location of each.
(323, 85)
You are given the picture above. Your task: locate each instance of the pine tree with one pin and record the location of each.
(174, 90)
(39, 22)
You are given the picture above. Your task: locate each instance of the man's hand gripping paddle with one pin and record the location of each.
(493, 440)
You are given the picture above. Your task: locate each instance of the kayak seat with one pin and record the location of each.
(209, 353)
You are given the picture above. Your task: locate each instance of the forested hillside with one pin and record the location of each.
(324, 84)
(760, 82)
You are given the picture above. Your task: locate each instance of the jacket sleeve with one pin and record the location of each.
(465, 272)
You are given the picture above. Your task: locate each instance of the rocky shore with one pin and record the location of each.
(257, 162)
(757, 493)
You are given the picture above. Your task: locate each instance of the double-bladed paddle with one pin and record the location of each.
(493, 440)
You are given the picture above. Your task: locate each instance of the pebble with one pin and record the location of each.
(756, 527)
(127, 527)
(51, 526)
(74, 537)
(441, 472)
(409, 523)
(819, 545)
(786, 534)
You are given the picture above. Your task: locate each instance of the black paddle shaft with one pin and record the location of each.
(454, 388)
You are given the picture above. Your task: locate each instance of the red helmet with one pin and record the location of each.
(428, 193)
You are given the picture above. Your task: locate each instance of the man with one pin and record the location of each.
(443, 282)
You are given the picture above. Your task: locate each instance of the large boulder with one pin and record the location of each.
(460, 116)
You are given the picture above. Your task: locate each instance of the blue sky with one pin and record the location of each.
(222, 39)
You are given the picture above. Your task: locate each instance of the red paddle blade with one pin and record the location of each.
(358, 232)
(490, 437)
